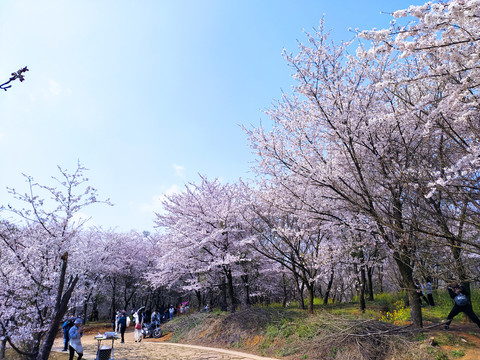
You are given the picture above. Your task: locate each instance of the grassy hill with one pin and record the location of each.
(334, 332)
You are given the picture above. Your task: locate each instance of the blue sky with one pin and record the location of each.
(148, 94)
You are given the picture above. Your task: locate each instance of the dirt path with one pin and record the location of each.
(153, 349)
(466, 333)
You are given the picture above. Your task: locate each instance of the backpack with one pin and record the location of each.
(461, 300)
(68, 324)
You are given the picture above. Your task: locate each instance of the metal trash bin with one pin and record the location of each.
(104, 353)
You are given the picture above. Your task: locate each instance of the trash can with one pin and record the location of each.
(104, 353)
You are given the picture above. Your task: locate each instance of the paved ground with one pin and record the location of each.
(153, 349)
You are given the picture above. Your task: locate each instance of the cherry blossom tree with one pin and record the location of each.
(87, 259)
(340, 134)
(281, 236)
(442, 45)
(391, 132)
(127, 257)
(36, 244)
(111, 266)
(175, 266)
(204, 235)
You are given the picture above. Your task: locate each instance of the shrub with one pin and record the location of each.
(399, 315)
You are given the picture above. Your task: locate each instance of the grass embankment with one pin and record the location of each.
(336, 331)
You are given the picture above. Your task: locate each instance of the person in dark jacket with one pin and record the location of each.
(122, 324)
(462, 303)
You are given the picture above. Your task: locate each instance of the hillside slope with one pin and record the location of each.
(291, 334)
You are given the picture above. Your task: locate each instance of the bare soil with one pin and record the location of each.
(151, 349)
(469, 341)
(214, 337)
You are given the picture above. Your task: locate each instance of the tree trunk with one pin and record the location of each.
(329, 287)
(61, 306)
(94, 315)
(231, 295)
(380, 278)
(361, 290)
(370, 283)
(301, 302)
(406, 271)
(456, 248)
(126, 297)
(3, 346)
(300, 287)
(246, 286)
(223, 289)
(114, 304)
(284, 283)
(301, 297)
(340, 293)
(85, 307)
(198, 294)
(311, 295)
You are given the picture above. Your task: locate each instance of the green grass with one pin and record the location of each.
(389, 302)
(291, 331)
(219, 312)
(457, 353)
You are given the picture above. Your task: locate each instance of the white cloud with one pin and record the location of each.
(155, 205)
(179, 170)
(172, 189)
(54, 87)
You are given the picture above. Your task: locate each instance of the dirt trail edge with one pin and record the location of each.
(153, 349)
(237, 354)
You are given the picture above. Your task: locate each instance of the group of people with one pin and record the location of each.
(141, 317)
(459, 294)
(423, 289)
(162, 314)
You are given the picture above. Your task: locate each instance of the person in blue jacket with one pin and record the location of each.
(122, 324)
(67, 325)
(75, 344)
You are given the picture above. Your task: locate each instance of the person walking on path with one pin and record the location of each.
(116, 328)
(67, 325)
(75, 344)
(138, 318)
(460, 295)
(429, 291)
(418, 288)
(122, 324)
